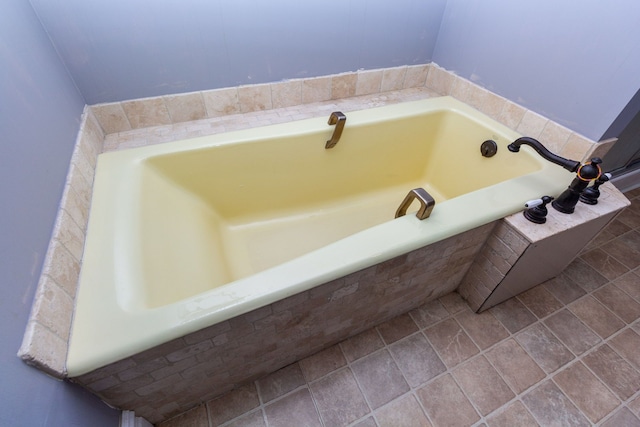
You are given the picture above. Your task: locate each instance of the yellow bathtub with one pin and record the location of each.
(187, 234)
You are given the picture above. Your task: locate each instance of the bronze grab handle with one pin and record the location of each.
(336, 118)
(426, 203)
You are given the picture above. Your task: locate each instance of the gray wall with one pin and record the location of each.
(576, 62)
(117, 50)
(40, 112)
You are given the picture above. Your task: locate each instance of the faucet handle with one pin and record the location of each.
(590, 171)
(537, 209)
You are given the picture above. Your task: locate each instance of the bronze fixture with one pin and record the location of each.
(426, 203)
(338, 119)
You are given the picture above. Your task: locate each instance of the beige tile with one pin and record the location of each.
(343, 85)
(41, 347)
(393, 79)
(554, 136)
(586, 391)
(147, 112)
(111, 117)
(511, 115)
(316, 90)
(601, 148)
(483, 385)
(416, 76)
(551, 407)
(221, 102)
(440, 80)
(62, 267)
(416, 359)
(186, 107)
(440, 397)
(404, 412)
(339, 399)
(451, 342)
(576, 148)
(254, 98)
(532, 125)
(286, 94)
(294, 410)
(493, 105)
(69, 234)
(379, 377)
(53, 308)
(514, 364)
(369, 82)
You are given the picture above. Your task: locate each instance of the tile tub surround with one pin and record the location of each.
(173, 377)
(107, 127)
(544, 357)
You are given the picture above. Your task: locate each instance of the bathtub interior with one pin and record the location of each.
(220, 213)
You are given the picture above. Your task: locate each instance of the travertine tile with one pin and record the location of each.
(614, 371)
(416, 359)
(185, 107)
(451, 342)
(339, 399)
(483, 385)
(511, 115)
(404, 412)
(514, 364)
(601, 148)
(53, 307)
(393, 79)
(144, 113)
(440, 397)
(369, 81)
(545, 349)
(343, 85)
(316, 90)
(551, 407)
(286, 94)
(532, 125)
(294, 410)
(576, 148)
(555, 137)
(254, 98)
(572, 332)
(440, 80)
(221, 102)
(586, 391)
(62, 267)
(380, 378)
(43, 348)
(111, 117)
(416, 76)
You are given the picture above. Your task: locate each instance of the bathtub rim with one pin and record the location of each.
(96, 342)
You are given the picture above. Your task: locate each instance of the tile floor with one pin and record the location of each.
(565, 353)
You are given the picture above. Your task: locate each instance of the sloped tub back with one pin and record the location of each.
(192, 235)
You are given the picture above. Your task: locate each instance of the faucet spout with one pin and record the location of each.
(570, 165)
(338, 119)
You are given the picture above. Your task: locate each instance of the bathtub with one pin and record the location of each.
(188, 234)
